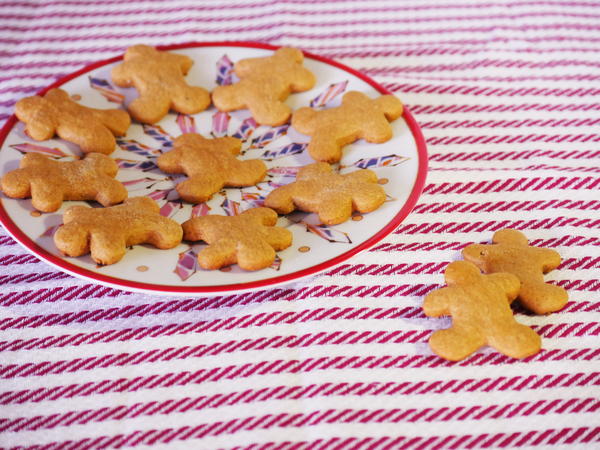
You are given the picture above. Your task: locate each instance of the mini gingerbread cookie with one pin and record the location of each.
(511, 253)
(49, 182)
(249, 239)
(480, 309)
(332, 196)
(210, 165)
(358, 117)
(93, 130)
(107, 232)
(264, 85)
(159, 79)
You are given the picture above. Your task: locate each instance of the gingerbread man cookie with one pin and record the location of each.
(511, 253)
(93, 130)
(107, 232)
(210, 165)
(480, 309)
(332, 196)
(159, 79)
(358, 117)
(249, 239)
(49, 182)
(264, 85)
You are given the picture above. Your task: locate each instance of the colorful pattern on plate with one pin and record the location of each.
(107, 90)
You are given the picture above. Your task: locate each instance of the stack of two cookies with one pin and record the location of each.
(210, 164)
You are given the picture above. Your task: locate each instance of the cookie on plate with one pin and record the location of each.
(332, 196)
(264, 85)
(210, 165)
(159, 79)
(358, 117)
(49, 182)
(93, 130)
(107, 232)
(249, 239)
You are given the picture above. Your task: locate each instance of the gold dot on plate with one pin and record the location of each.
(142, 268)
(357, 217)
(304, 249)
(383, 181)
(76, 97)
(35, 214)
(225, 269)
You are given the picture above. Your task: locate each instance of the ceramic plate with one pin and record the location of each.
(400, 164)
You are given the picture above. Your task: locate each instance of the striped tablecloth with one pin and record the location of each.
(508, 97)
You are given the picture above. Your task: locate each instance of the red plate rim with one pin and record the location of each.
(43, 254)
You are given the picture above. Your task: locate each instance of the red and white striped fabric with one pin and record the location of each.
(508, 98)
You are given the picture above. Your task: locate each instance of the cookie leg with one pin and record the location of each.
(220, 254)
(190, 100)
(16, 184)
(254, 255)
(279, 238)
(150, 108)
(46, 197)
(281, 200)
(111, 192)
(106, 248)
(517, 341)
(271, 113)
(455, 343)
(72, 240)
(334, 208)
(543, 298)
(246, 173)
(228, 98)
(164, 233)
(368, 199)
(325, 149)
(200, 188)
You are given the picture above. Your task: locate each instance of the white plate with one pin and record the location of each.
(401, 165)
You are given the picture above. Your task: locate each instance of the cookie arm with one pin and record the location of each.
(435, 303)
(550, 258)
(508, 283)
(17, 184)
(120, 75)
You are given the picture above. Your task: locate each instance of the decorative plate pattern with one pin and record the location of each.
(400, 165)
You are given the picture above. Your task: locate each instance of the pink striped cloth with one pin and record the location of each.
(508, 98)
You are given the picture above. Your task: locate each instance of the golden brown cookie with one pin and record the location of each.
(480, 309)
(93, 130)
(159, 79)
(49, 182)
(107, 232)
(210, 165)
(358, 117)
(511, 253)
(264, 85)
(332, 196)
(249, 239)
